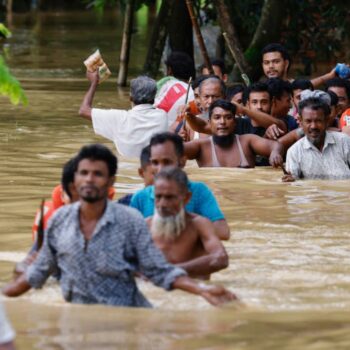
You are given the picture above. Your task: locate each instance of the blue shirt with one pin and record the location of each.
(202, 202)
(101, 270)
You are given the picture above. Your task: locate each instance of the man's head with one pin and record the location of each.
(145, 170)
(341, 88)
(96, 167)
(180, 65)
(219, 69)
(258, 98)
(143, 90)
(314, 114)
(167, 149)
(222, 122)
(335, 108)
(69, 193)
(195, 87)
(280, 92)
(298, 86)
(275, 61)
(171, 195)
(210, 90)
(235, 93)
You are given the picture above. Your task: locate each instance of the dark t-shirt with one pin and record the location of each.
(244, 126)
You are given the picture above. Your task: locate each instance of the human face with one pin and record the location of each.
(169, 198)
(274, 65)
(296, 97)
(92, 180)
(237, 98)
(282, 105)
(217, 72)
(222, 122)
(147, 174)
(314, 124)
(260, 101)
(163, 155)
(343, 99)
(209, 93)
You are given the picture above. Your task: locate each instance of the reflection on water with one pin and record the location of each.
(289, 260)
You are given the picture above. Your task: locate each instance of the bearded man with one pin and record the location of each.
(186, 239)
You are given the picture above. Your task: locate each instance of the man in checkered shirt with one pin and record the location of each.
(97, 246)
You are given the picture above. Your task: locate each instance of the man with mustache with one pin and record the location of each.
(225, 148)
(321, 154)
(186, 239)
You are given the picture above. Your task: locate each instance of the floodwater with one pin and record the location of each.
(289, 251)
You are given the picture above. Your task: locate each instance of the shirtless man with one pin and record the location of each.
(186, 239)
(225, 149)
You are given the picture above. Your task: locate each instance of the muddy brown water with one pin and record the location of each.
(289, 251)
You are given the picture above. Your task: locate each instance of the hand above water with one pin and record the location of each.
(93, 77)
(273, 132)
(216, 295)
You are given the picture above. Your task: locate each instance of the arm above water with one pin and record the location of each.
(214, 294)
(86, 105)
(17, 287)
(215, 258)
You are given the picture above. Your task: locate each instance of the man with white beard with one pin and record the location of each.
(186, 239)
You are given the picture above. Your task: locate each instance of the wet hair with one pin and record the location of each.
(255, 87)
(302, 84)
(338, 82)
(176, 174)
(233, 90)
(145, 157)
(98, 152)
(143, 90)
(276, 47)
(226, 105)
(163, 137)
(334, 98)
(315, 103)
(181, 64)
(214, 79)
(196, 82)
(67, 177)
(277, 87)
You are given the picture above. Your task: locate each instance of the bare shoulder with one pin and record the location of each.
(200, 222)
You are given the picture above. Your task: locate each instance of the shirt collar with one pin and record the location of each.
(142, 107)
(329, 140)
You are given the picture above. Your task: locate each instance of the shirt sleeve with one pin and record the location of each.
(151, 261)
(46, 263)
(205, 202)
(107, 122)
(7, 334)
(292, 163)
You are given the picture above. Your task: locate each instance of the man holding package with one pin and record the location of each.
(130, 130)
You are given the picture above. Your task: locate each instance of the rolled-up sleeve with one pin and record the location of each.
(151, 261)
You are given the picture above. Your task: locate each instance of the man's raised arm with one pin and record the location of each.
(86, 105)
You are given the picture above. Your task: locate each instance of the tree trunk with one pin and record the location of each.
(180, 29)
(268, 31)
(126, 42)
(158, 38)
(227, 27)
(9, 8)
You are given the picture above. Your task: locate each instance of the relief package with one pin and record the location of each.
(95, 62)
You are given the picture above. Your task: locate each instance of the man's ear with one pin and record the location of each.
(111, 180)
(140, 171)
(182, 162)
(187, 197)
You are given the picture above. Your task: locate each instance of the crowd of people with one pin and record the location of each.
(170, 232)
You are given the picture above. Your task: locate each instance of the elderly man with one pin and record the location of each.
(97, 246)
(186, 239)
(129, 130)
(167, 149)
(321, 154)
(225, 148)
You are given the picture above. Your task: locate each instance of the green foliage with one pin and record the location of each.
(9, 85)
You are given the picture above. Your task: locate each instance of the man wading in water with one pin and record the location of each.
(97, 246)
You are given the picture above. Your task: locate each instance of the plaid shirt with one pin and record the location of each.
(101, 270)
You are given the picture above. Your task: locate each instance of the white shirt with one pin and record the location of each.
(129, 130)
(304, 160)
(6, 332)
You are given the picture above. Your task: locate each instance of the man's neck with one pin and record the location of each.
(92, 211)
